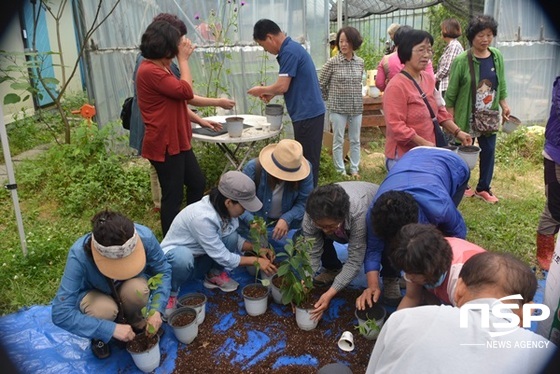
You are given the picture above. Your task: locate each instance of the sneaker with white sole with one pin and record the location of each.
(486, 196)
(221, 281)
(469, 192)
(391, 292)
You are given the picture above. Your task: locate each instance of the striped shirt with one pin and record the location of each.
(361, 195)
(444, 64)
(341, 84)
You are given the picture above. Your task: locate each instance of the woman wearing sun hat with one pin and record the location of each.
(202, 242)
(284, 181)
(105, 268)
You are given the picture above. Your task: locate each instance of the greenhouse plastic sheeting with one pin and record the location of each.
(36, 345)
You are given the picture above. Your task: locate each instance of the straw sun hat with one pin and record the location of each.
(285, 160)
(120, 262)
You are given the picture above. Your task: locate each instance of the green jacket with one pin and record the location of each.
(458, 95)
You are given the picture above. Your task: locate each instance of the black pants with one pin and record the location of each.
(329, 258)
(309, 133)
(174, 173)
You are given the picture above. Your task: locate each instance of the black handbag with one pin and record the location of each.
(440, 138)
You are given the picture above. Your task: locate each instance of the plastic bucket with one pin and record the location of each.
(469, 153)
(234, 126)
(511, 125)
(274, 113)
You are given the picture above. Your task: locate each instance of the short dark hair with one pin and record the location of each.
(353, 36)
(172, 19)
(502, 270)
(391, 211)
(422, 249)
(451, 28)
(263, 27)
(111, 228)
(412, 39)
(400, 33)
(328, 201)
(160, 40)
(479, 23)
(218, 201)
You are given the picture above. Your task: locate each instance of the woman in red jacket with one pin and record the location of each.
(162, 99)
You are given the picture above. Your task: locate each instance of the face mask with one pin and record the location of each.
(438, 283)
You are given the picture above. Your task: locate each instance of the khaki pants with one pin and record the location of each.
(156, 188)
(134, 294)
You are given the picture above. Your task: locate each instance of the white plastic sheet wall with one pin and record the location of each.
(531, 49)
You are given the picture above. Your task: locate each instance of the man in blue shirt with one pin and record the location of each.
(425, 186)
(298, 82)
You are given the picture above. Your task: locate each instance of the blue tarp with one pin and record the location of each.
(36, 345)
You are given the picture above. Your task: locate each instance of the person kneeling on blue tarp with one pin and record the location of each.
(105, 283)
(336, 213)
(283, 182)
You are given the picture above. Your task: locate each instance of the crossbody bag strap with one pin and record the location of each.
(118, 300)
(440, 138)
(422, 94)
(473, 83)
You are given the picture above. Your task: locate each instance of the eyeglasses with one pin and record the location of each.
(423, 51)
(331, 227)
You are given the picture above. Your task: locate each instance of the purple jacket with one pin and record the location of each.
(552, 132)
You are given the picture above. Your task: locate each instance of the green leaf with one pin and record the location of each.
(50, 80)
(20, 86)
(11, 98)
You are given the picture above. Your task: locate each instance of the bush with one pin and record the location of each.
(84, 177)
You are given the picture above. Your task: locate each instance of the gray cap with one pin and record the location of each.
(239, 187)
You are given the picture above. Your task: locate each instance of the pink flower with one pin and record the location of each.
(243, 3)
(197, 16)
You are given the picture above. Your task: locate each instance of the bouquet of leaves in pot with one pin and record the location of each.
(296, 271)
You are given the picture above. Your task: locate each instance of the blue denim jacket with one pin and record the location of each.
(82, 276)
(293, 200)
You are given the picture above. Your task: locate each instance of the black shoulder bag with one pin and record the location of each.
(440, 138)
(120, 315)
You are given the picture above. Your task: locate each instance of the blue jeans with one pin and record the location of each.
(184, 266)
(487, 146)
(354, 126)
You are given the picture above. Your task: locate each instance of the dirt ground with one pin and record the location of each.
(230, 341)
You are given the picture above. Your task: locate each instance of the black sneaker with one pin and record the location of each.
(100, 349)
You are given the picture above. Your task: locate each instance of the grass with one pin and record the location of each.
(62, 189)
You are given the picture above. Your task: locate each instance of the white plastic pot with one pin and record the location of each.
(185, 334)
(147, 361)
(255, 306)
(303, 319)
(200, 307)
